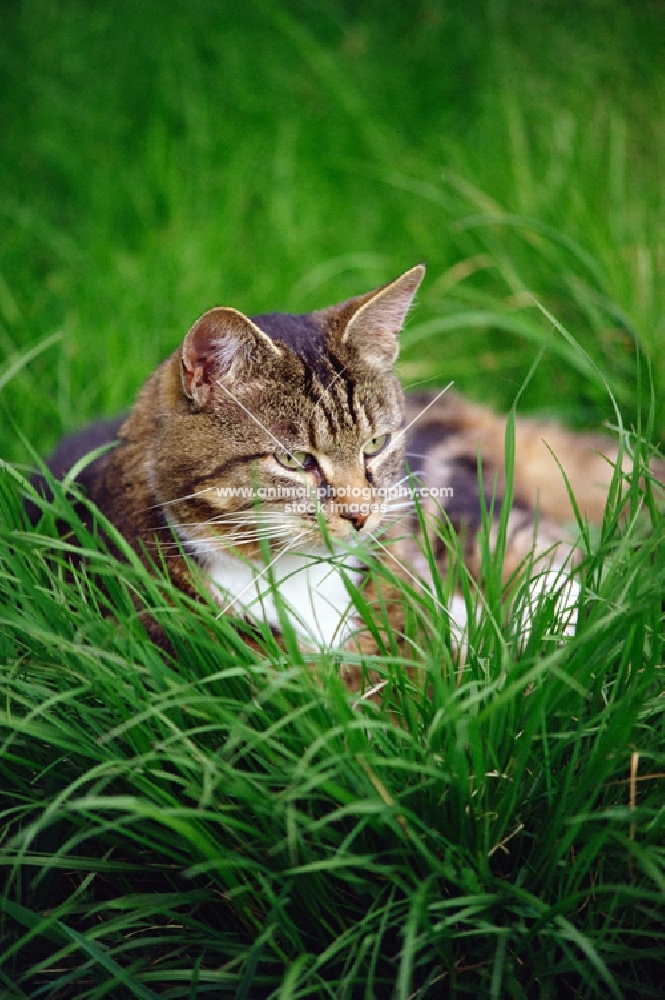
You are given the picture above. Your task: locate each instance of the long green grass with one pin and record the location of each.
(225, 821)
(228, 821)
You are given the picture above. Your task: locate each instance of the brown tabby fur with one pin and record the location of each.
(239, 393)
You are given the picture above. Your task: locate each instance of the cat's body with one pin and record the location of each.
(310, 403)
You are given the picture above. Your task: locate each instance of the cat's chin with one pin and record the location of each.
(320, 549)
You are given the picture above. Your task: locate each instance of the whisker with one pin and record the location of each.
(245, 513)
(421, 381)
(404, 479)
(386, 526)
(258, 531)
(244, 530)
(257, 505)
(238, 518)
(244, 522)
(220, 541)
(250, 535)
(256, 420)
(188, 496)
(253, 582)
(397, 514)
(326, 391)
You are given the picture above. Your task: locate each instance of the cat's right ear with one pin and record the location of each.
(223, 346)
(377, 319)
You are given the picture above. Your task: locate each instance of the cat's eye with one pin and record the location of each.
(376, 445)
(301, 460)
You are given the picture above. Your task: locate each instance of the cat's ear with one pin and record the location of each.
(374, 327)
(224, 346)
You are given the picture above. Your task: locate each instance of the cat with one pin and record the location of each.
(268, 450)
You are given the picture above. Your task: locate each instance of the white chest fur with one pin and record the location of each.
(313, 593)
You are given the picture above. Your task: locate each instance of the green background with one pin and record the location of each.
(161, 158)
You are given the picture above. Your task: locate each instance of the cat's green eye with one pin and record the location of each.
(376, 445)
(296, 460)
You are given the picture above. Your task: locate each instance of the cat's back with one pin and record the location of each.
(74, 447)
(448, 435)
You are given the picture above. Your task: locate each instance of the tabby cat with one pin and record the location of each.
(268, 449)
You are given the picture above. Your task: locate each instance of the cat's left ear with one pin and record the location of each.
(224, 347)
(374, 327)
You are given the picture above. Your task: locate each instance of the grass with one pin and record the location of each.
(231, 822)
(227, 821)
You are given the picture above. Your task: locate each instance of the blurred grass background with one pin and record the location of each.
(160, 158)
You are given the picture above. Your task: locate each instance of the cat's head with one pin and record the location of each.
(269, 424)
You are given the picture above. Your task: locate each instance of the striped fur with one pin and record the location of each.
(243, 400)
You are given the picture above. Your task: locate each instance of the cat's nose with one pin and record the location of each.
(357, 520)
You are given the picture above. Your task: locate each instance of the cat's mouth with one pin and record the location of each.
(347, 522)
(308, 526)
